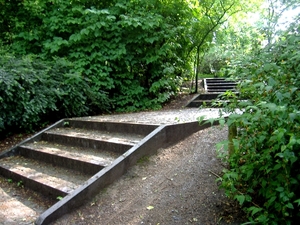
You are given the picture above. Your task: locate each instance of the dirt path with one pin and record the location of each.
(175, 186)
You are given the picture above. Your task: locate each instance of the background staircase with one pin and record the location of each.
(213, 88)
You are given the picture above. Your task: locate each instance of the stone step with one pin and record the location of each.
(42, 177)
(89, 161)
(94, 139)
(111, 127)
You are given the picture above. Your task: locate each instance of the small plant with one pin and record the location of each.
(9, 180)
(20, 184)
(143, 160)
(59, 198)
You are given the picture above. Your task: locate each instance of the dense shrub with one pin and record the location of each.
(264, 173)
(127, 48)
(33, 92)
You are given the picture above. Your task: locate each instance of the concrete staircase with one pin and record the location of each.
(75, 158)
(214, 87)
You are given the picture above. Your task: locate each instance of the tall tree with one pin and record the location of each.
(272, 17)
(209, 16)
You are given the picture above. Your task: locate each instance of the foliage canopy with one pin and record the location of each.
(136, 53)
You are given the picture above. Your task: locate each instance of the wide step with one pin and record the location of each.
(40, 176)
(86, 160)
(95, 139)
(98, 135)
(94, 156)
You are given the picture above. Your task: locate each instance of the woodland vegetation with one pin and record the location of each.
(84, 57)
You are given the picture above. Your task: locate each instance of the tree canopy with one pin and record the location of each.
(136, 53)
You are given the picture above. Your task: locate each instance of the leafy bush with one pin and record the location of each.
(33, 92)
(123, 47)
(264, 167)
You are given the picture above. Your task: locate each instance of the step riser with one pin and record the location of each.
(32, 184)
(84, 167)
(214, 79)
(221, 87)
(222, 83)
(207, 96)
(218, 80)
(219, 90)
(194, 105)
(86, 143)
(197, 104)
(140, 129)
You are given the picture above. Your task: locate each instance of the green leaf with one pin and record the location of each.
(271, 200)
(222, 122)
(280, 189)
(254, 210)
(200, 119)
(289, 205)
(84, 31)
(277, 166)
(297, 201)
(240, 199)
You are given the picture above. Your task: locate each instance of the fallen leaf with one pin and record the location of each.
(150, 207)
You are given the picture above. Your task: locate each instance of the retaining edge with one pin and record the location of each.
(161, 137)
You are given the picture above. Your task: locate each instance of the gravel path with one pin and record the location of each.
(159, 117)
